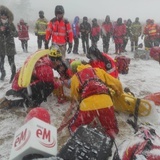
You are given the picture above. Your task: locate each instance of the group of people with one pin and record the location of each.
(89, 82)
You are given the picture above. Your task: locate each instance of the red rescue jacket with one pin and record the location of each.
(60, 31)
(23, 31)
(101, 64)
(92, 85)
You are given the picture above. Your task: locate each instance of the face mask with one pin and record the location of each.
(4, 21)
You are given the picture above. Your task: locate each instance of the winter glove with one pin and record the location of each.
(36, 34)
(69, 48)
(46, 44)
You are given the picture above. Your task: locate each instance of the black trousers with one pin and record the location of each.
(10, 61)
(76, 45)
(24, 44)
(85, 43)
(40, 40)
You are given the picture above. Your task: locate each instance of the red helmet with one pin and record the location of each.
(39, 113)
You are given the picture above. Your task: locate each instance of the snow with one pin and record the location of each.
(142, 79)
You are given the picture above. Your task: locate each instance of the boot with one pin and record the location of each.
(12, 76)
(3, 74)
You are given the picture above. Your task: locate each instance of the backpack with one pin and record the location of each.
(122, 64)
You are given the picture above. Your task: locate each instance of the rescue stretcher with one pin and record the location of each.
(126, 103)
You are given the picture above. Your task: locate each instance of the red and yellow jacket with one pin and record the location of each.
(101, 64)
(60, 31)
(94, 101)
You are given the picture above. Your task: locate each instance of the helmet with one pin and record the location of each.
(59, 10)
(93, 50)
(40, 113)
(74, 65)
(55, 54)
(41, 12)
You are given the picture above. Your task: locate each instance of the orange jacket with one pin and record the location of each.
(60, 31)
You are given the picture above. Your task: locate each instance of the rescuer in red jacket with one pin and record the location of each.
(43, 81)
(60, 31)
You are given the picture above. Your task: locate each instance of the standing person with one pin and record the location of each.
(147, 42)
(60, 30)
(76, 34)
(119, 32)
(128, 34)
(136, 31)
(23, 34)
(40, 29)
(95, 32)
(106, 32)
(90, 87)
(85, 29)
(7, 45)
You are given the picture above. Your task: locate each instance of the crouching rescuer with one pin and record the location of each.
(42, 82)
(90, 88)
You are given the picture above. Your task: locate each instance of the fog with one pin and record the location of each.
(143, 9)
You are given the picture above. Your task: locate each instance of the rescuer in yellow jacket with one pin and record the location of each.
(90, 87)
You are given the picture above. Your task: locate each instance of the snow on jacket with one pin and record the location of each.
(41, 26)
(60, 31)
(23, 30)
(97, 101)
(76, 27)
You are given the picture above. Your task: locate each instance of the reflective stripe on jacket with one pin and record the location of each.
(60, 31)
(41, 26)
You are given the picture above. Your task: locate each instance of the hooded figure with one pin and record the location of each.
(95, 32)
(106, 32)
(7, 44)
(76, 34)
(23, 34)
(85, 29)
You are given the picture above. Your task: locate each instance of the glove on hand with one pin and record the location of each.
(36, 34)
(69, 48)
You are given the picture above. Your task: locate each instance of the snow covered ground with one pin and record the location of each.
(143, 78)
